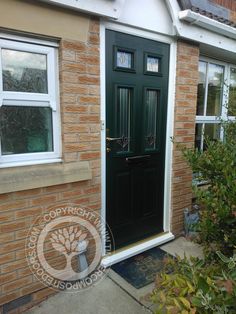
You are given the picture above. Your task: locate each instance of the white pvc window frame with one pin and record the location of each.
(204, 119)
(49, 99)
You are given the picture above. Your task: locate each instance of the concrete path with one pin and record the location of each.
(105, 298)
(113, 295)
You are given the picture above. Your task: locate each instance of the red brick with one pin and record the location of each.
(76, 108)
(73, 46)
(88, 80)
(49, 199)
(12, 246)
(7, 237)
(9, 297)
(74, 67)
(28, 212)
(13, 205)
(89, 119)
(4, 278)
(6, 216)
(13, 226)
(77, 147)
(76, 128)
(16, 284)
(89, 156)
(89, 99)
(6, 258)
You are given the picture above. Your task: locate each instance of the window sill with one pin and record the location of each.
(36, 176)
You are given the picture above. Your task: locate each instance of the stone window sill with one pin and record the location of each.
(37, 176)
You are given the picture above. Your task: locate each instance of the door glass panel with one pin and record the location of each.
(24, 71)
(152, 99)
(152, 64)
(215, 87)
(124, 118)
(124, 59)
(201, 87)
(232, 93)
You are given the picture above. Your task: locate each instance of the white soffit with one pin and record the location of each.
(106, 8)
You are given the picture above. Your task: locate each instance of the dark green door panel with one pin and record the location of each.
(136, 108)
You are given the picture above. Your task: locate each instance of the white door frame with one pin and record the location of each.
(167, 236)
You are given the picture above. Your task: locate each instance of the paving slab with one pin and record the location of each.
(181, 246)
(104, 298)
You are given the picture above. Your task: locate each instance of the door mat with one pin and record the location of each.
(141, 270)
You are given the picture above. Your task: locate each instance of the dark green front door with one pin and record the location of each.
(136, 108)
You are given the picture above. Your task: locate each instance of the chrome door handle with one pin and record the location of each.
(111, 139)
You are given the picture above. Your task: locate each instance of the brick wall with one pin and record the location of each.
(184, 129)
(80, 107)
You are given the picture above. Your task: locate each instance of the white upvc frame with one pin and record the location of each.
(51, 99)
(158, 240)
(204, 119)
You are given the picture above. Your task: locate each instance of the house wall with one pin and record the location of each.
(184, 129)
(80, 119)
(27, 16)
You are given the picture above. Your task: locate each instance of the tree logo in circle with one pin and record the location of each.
(65, 246)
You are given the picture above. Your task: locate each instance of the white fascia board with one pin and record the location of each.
(194, 32)
(207, 23)
(105, 8)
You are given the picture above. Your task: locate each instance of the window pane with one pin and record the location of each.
(198, 136)
(215, 89)
(232, 93)
(207, 130)
(201, 88)
(212, 131)
(24, 71)
(25, 130)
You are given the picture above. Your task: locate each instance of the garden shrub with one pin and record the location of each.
(216, 166)
(195, 287)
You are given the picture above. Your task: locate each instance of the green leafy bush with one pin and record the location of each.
(217, 167)
(196, 287)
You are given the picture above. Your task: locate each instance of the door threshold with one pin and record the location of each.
(136, 248)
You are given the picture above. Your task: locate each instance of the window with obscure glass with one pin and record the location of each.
(215, 99)
(29, 117)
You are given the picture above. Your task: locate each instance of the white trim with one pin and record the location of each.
(49, 99)
(30, 163)
(169, 134)
(30, 40)
(170, 116)
(103, 120)
(207, 23)
(139, 248)
(138, 32)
